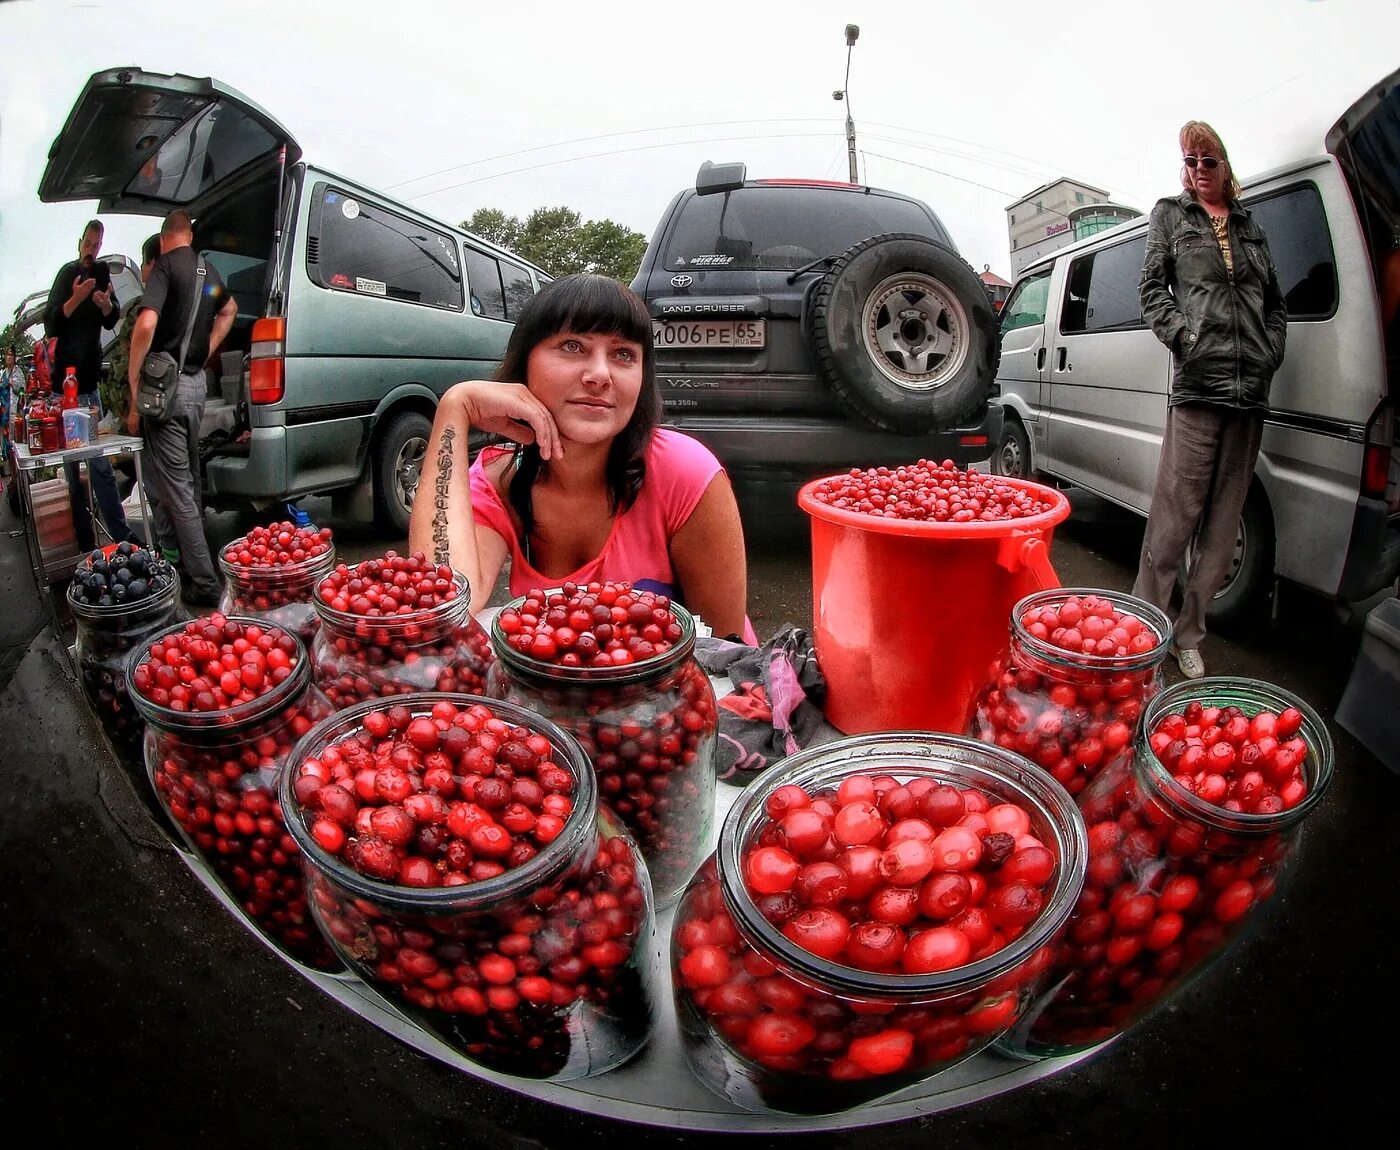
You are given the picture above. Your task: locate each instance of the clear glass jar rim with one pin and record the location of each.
(447, 613)
(232, 718)
(472, 897)
(1225, 691)
(881, 753)
(312, 567)
(623, 673)
(1149, 614)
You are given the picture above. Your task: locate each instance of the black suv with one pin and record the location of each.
(804, 327)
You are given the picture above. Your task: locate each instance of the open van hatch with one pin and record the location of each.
(145, 143)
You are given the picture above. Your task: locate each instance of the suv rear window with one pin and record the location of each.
(784, 227)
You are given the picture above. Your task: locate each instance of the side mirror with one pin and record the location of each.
(714, 178)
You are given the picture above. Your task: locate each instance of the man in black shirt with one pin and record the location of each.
(81, 304)
(176, 285)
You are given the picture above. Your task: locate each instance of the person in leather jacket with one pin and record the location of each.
(1210, 292)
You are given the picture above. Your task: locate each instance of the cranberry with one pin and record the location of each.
(937, 492)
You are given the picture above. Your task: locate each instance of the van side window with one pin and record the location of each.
(519, 287)
(484, 280)
(369, 250)
(1296, 227)
(1028, 303)
(1101, 290)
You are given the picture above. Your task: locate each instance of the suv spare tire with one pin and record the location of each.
(905, 334)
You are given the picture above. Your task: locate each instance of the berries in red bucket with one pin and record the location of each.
(929, 492)
(225, 699)
(396, 625)
(878, 910)
(1069, 690)
(270, 573)
(460, 864)
(614, 666)
(1188, 841)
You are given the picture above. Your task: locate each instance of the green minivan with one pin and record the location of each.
(355, 311)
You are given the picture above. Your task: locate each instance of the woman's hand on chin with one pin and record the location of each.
(507, 409)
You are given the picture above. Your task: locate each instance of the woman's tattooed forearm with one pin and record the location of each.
(441, 549)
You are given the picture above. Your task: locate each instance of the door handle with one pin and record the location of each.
(1040, 360)
(1062, 360)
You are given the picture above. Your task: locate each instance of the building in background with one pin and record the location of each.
(1057, 214)
(997, 288)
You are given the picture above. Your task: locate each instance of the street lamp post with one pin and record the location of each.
(852, 33)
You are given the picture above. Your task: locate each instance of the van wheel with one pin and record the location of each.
(1013, 454)
(1250, 578)
(905, 334)
(398, 461)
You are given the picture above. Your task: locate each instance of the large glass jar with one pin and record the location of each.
(1174, 877)
(215, 775)
(540, 969)
(439, 648)
(649, 728)
(277, 593)
(1071, 712)
(774, 1025)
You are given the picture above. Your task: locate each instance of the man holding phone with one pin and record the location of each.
(81, 304)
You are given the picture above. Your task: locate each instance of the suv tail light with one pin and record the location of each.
(266, 381)
(1378, 453)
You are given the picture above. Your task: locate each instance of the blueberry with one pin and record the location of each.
(136, 589)
(124, 548)
(121, 575)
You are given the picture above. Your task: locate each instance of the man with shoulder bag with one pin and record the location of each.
(185, 314)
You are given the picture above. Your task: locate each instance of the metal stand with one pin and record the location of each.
(27, 464)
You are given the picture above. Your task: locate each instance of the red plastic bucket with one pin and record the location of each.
(907, 616)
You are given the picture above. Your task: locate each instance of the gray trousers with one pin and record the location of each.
(173, 481)
(1203, 476)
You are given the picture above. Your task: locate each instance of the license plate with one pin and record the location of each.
(710, 333)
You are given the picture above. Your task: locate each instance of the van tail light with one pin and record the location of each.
(266, 380)
(1377, 457)
(973, 440)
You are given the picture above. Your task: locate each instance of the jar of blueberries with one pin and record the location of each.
(458, 860)
(117, 601)
(878, 910)
(396, 625)
(616, 668)
(270, 574)
(1189, 840)
(1071, 686)
(225, 699)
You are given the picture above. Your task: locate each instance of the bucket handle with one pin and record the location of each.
(1030, 553)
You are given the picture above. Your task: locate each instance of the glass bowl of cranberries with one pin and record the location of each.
(396, 625)
(270, 574)
(615, 667)
(878, 910)
(1069, 690)
(458, 859)
(225, 699)
(1189, 840)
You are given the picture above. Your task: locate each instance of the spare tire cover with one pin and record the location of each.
(905, 334)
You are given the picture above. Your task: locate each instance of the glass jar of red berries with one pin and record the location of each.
(458, 859)
(1070, 689)
(615, 667)
(1188, 841)
(225, 699)
(879, 909)
(270, 573)
(397, 625)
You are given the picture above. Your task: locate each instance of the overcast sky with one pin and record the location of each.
(610, 108)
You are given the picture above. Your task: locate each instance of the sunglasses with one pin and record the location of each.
(1210, 163)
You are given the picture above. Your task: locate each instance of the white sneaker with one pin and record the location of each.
(1190, 661)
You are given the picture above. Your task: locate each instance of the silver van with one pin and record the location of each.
(1084, 382)
(355, 311)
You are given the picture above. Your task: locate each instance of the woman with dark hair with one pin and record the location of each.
(593, 489)
(1209, 292)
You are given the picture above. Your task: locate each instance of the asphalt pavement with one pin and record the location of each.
(141, 1012)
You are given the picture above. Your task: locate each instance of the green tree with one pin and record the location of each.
(562, 242)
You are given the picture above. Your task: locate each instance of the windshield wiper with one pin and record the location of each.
(805, 268)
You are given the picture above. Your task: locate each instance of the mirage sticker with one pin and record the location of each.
(371, 287)
(350, 209)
